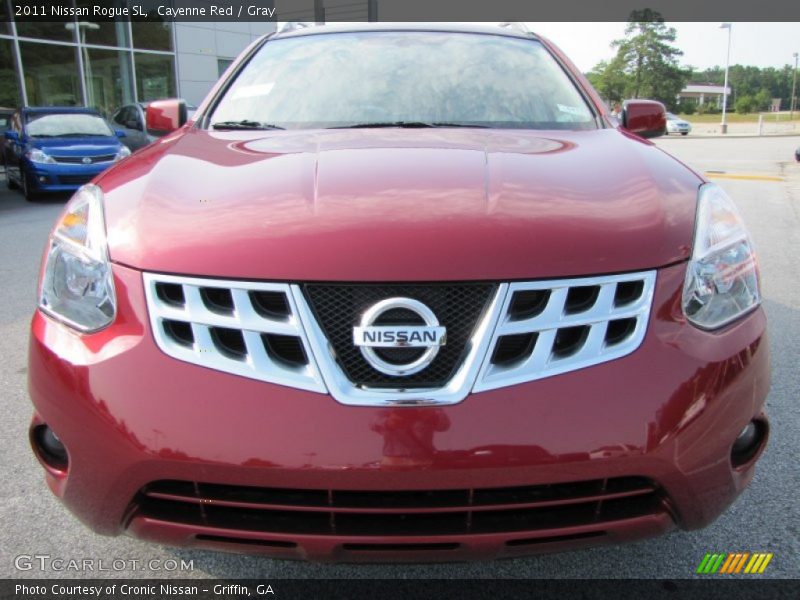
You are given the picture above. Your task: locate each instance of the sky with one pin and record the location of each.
(704, 44)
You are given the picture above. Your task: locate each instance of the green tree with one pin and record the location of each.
(763, 99)
(750, 81)
(648, 59)
(610, 80)
(687, 107)
(745, 104)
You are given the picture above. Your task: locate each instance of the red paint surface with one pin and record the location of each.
(400, 205)
(645, 117)
(164, 116)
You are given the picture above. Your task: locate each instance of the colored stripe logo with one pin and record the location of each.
(734, 563)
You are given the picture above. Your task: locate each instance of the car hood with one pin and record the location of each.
(399, 205)
(77, 146)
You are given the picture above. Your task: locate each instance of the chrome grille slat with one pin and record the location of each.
(257, 363)
(542, 362)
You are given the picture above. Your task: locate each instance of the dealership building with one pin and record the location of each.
(105, 64)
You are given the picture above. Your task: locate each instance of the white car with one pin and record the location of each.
(677, 125)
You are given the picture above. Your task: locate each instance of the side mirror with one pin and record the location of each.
(133, 125)
(165, 116)
(120, 133)
(645, 118)
(12, 135)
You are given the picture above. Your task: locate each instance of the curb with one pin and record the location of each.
(730, 135)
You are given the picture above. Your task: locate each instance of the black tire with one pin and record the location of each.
(9, 184)
(30, 195)
(684, 133)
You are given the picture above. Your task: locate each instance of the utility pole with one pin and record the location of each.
(725, 87)
(794, 87)
(82, 26)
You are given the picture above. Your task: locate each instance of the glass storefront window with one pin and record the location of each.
(152, 35)
(51, 71)
(105, 33)
(5, 26)
(46, 30)
(155, 76)
(109, 79)
(10, 96)
(51, 74)
(223, 64)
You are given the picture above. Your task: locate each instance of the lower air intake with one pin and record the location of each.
(399, 513)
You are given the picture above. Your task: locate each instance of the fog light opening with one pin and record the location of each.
(748, 443)
(42, 179)
(50, 449)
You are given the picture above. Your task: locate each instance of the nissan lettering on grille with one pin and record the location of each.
(417, 329)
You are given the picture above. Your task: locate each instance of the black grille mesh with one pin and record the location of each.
(74, 179)
(459, 307)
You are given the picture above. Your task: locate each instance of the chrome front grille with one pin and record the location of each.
(246, 328)
(565, 325)
(527, 331)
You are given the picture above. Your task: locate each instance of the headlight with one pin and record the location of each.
(78, 286)
(122, 153)
(39, 156)
(722, 275)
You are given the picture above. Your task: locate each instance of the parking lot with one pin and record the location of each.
(762, 177)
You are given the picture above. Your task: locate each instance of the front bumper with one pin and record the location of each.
(130, 416)
(679, 128)
(54, 178)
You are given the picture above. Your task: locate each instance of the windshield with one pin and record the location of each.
(67, 125)
(403, 78)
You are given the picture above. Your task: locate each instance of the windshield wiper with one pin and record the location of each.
(408, 125)
(244, 124)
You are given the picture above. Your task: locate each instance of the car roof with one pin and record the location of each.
(504, 29)
(60, 110)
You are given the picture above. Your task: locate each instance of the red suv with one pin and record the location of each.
(399, 293)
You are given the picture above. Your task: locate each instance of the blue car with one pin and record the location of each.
(58, 149)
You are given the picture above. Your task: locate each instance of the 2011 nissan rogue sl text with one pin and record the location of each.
(399, 292)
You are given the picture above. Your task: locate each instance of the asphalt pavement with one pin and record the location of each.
(762, 177)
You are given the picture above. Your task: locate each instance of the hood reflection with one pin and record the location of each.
(408, 435)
